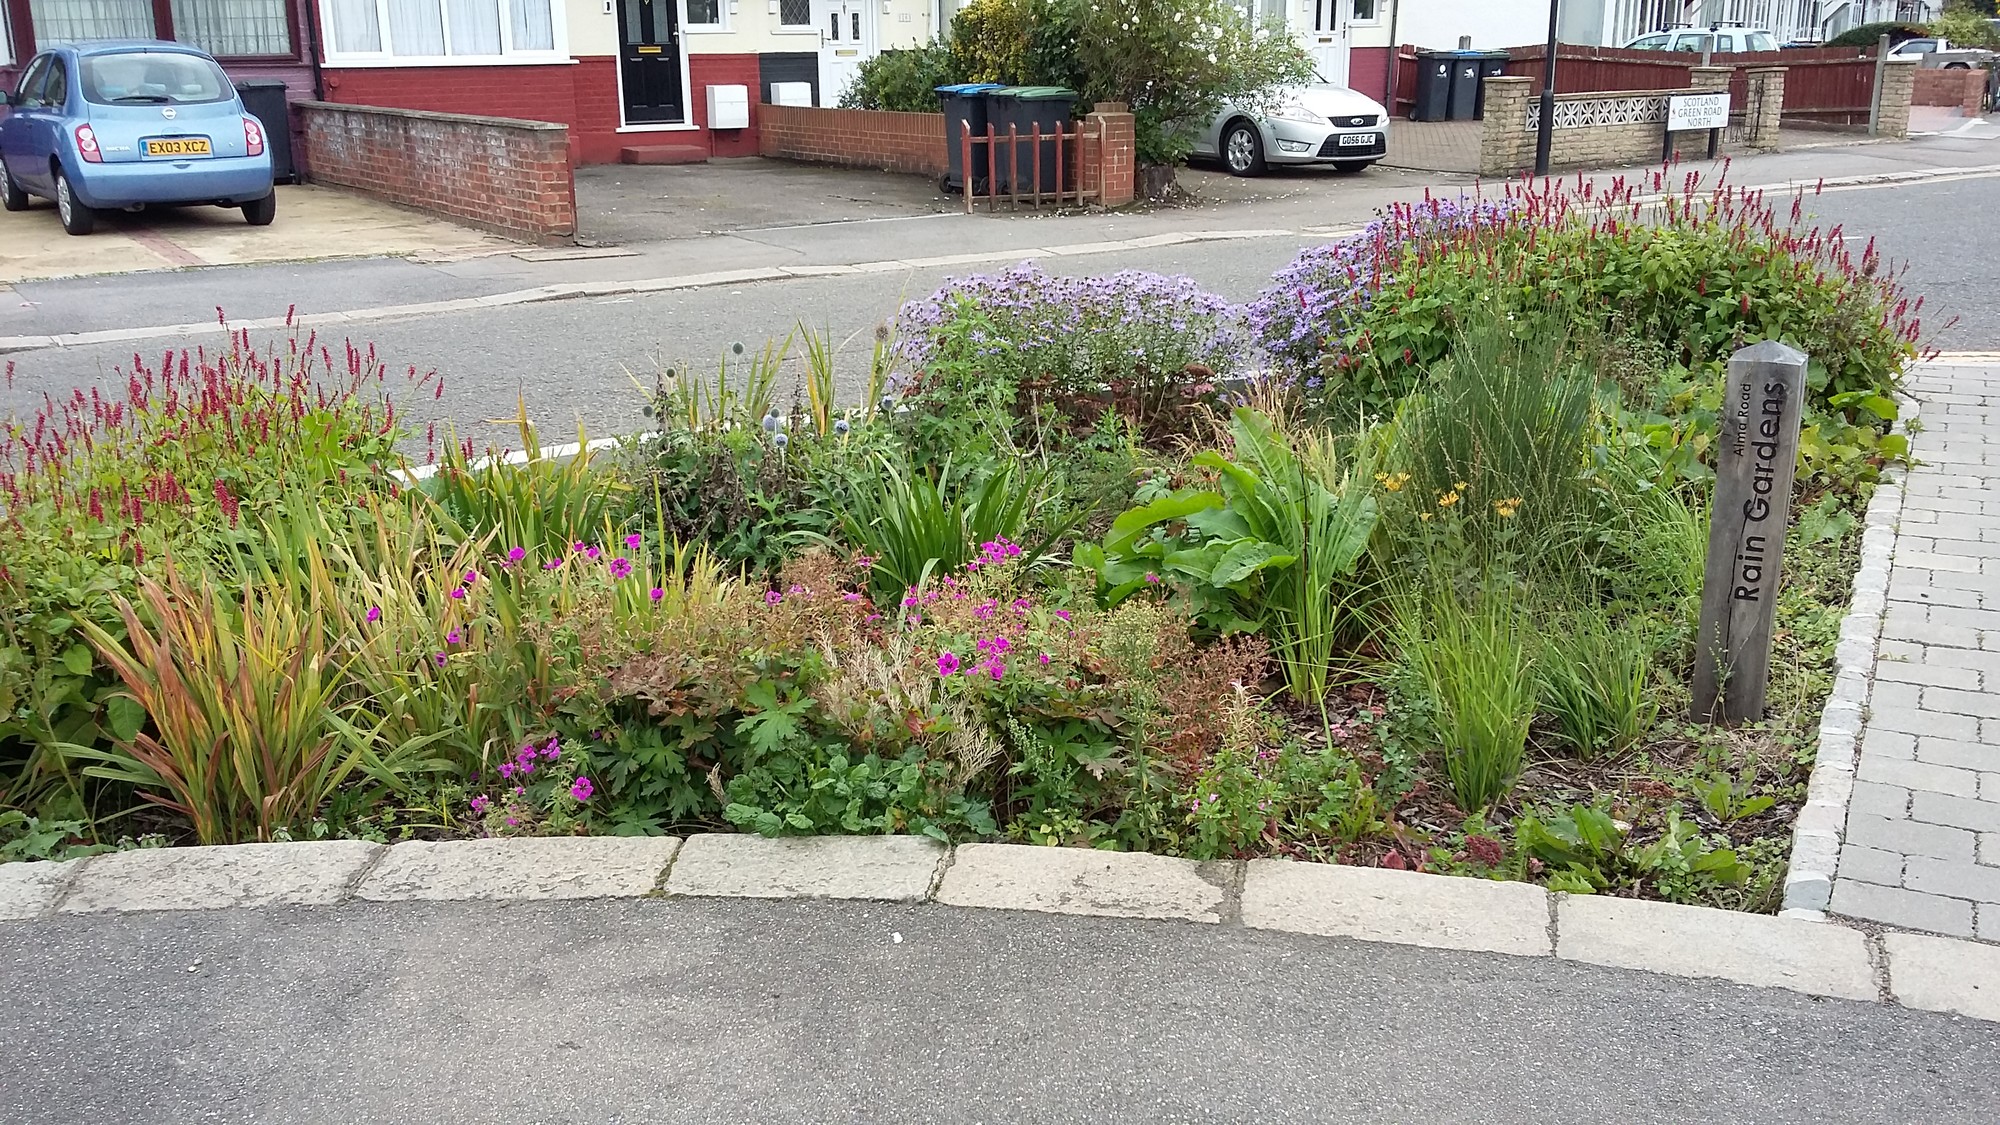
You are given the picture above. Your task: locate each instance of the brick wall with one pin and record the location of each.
(1508, 144)
(1965, 89)
(857, 138)
(724, 70)
(492, 172)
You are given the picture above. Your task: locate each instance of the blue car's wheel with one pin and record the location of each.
(12, 197)
(76, 217)
(260, 212)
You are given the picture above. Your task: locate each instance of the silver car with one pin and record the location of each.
(1317, 124)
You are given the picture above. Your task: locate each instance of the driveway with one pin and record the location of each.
(313, 223)
(630, 204)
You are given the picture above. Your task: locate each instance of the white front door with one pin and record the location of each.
(846, 40)
(1326, 38)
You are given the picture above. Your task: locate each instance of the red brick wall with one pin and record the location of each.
(860, 138)
(725, 70)
(583, 96)
(1963, 88)
(500, 174)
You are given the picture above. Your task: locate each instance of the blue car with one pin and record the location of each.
(123, 125)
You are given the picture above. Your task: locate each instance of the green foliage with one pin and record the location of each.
(1867, 34)
(539, 502)
(912, 526)
(1587, 852)
(1472, 655)
(1274, 547)
(1964, 27)
(24, 837)
(904, 80)
(990, 41)
(1595, 685)
(1177, 62)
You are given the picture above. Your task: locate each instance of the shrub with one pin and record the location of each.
(1143, 344)
(990, 40)
(1471, 655)
(1274, 547)
(1177, 63)
(1594, 685)
(1867, 34)
(905, 80)
(96, 492)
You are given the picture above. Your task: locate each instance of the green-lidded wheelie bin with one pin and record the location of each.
(965, 110)
(1025, 107)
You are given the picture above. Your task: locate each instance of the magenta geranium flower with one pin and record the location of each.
(374, 614)
(621, 567)
(656, 593)
(632, 541)
(581, 789)
(947, 664)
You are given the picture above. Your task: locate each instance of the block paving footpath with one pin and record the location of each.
(1368, 904)
(1921, 847)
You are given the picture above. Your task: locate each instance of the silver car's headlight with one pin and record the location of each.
(1299, 114)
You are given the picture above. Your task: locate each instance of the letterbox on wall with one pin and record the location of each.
(729, 107)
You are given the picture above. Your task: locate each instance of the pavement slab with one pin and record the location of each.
(1084, 881)
(1919, 795)
(1397, 906)
(1944, 976)
(296, 874)
(1812, 957)
(521, 868)
(889, 868)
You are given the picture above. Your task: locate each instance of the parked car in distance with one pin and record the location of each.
(1317, 124)
(128, 124)
(1694, 40)
(1941, 53)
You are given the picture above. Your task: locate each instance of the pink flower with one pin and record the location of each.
(621, 567)
(478, 806)
(656, 593)
(517, 554)
(947, 664)
(471, 576)
(772, 597)
(632, 541)
(591, 552)
(576, 546)
(581, 789)
(553, 750)
(1063, 613)
(513, 822)
(440, 658)
(552, 564)
(1152, 579)
(1045, 658)
(374, 614)
(453, 637)
(506, 769)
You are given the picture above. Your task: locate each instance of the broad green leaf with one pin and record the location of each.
(1126, 529)
(1247, 558)
(125, 716)
(77, 659)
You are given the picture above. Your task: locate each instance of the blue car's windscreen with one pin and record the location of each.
(153, 78)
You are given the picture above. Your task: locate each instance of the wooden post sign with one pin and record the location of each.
(1754, 466)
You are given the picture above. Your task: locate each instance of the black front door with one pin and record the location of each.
(650, 62)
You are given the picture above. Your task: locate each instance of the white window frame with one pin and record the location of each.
(723, 10)
(6, 37)
(1372, 21)
(780, 27)
(508, 56)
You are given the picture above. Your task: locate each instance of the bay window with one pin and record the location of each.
(375, 32)
(227, 29)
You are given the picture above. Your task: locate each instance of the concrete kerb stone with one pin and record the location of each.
(1819, 830)
(730, 865)
(1404, 907)
(1083, 881)
(31, 890)
(1687, 941)
(212, 878)
(1943, 975)
(520, 868)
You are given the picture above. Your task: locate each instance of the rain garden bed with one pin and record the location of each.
(1398, 565)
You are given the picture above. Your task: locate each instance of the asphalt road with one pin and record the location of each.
(591, 360)
(703, 1011)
